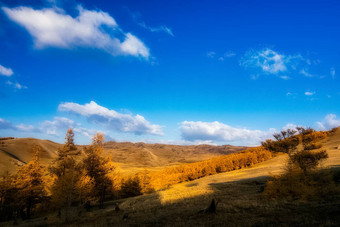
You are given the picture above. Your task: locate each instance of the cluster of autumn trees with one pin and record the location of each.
(188, 172)
(301, 178)
(303, 157)
(21, 192)
(72, 179)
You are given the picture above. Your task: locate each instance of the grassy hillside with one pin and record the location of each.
(241, 202)
(131, 157)
(18, 152)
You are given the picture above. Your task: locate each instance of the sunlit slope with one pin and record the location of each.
(205, 187)
(154, 155)
(17, 152)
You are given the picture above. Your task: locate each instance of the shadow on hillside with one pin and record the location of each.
(240, 203)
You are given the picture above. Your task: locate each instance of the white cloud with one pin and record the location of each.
(51, 27)
(59, 123)
(332, 72)
(133, 46)
(112, 119)
(285, 77)
(330, 121)
(86, 132)
(211, 54)
(305, 73)
(16, 85)
(4, 124)
(6, 71)
(219, 132)
(290, 126)
(267, 59)
(228, 54)
(272, 62)
(157, 29)
(309, 93)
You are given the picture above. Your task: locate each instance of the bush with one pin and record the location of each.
(295, 184)
(307, 160)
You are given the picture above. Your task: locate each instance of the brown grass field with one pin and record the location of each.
(239, 195)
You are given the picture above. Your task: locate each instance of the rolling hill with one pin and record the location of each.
(15, 152)
(240, 201)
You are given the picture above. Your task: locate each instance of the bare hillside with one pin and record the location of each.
(18, 152)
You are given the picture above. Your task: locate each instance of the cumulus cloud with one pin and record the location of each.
(309, 93)
(330, 121)
(5, 71)
(51, 27)
(4, 124)
(219, 132)
(112, 119)
(162, 28)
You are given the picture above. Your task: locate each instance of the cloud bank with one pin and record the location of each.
(219, 132)
(112, 119)
(96, 29)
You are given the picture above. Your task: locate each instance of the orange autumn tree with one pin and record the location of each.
(98, 168)
(8, 192)
(67, 173)
(31, 185)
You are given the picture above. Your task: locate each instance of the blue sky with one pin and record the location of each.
(183, 72)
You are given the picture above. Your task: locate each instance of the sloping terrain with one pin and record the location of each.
(153, 155)
(239, 196)
(17, 152)
(204, 186)
(240, 201)
(129, 156)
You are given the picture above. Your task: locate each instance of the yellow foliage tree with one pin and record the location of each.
(98, 168)
(31, 185)
(67, 174)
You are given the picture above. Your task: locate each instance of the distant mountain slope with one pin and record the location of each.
(17, 152)
(152, 155)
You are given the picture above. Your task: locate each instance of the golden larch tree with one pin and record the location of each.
(98, 168)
